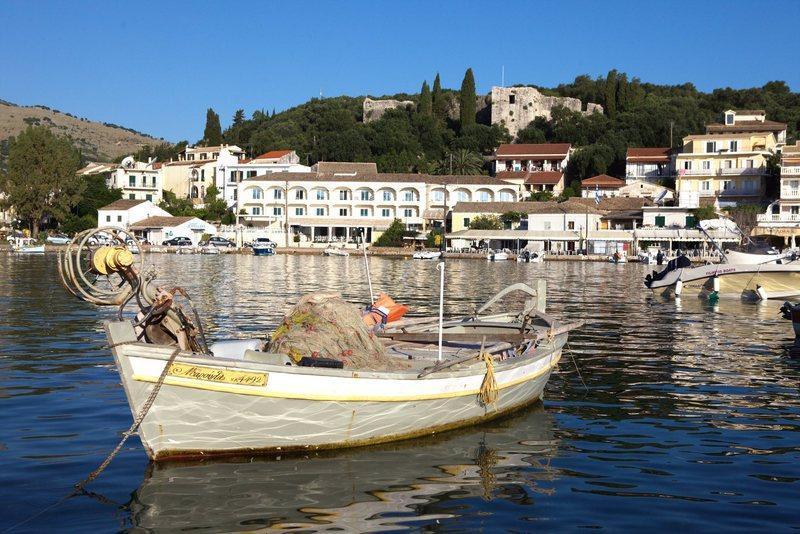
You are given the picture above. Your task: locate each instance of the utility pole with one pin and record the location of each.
(286, 211)
(671, 124)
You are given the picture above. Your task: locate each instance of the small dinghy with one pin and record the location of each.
(427, 374)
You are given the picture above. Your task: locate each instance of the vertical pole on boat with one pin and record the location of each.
(440, 267)
(366, 265)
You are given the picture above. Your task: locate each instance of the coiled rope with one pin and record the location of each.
(488, 393)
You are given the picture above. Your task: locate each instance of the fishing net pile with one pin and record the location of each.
(323, 325)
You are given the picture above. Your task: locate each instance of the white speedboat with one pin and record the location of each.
(497, 256)
(427, 255)
(763, 281)
(332, 251)
(192, 398)
(210, 249)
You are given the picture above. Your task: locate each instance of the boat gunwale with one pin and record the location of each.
(163, 352)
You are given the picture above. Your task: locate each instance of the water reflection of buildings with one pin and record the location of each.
(370, 489)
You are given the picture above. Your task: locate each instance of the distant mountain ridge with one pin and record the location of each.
(98, 141)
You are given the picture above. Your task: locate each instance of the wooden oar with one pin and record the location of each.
(498, 348)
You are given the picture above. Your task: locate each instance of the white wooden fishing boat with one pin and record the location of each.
(763, 281)
(193, 398)
(210, 249)
(332, 251)
(427, 255)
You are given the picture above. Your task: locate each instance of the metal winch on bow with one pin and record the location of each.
(99, 266)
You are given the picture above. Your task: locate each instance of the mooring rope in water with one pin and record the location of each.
(575, 363)
(134, 426)
(79, 488)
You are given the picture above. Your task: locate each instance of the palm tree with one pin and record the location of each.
(460, 161)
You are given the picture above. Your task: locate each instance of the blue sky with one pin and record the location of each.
(157, 66)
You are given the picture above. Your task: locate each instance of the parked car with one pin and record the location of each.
(178, 242)
(58, 239)
(217, 241)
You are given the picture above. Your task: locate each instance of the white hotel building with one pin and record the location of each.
(330, 206)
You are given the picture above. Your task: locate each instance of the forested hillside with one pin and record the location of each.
(421, 138)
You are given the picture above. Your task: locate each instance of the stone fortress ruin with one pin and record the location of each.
(513, 107)
(516, 107)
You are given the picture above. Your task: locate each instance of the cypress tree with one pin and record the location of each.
(467, 100)
(439, 102)
(238, 117)
(611, 94)
(425, 106)
(213, 132)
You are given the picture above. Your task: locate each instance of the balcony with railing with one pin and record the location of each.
(790, 192)
(786, 218)
(741, 171)
(793, 169)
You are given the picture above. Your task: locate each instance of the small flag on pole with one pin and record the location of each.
(597, 195)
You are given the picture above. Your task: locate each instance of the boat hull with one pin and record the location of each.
(301, 409)
(263, 251)
(741, 281)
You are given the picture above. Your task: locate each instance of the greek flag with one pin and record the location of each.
(597, 195)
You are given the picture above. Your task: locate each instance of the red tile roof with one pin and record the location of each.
(540, 149)
(544, 178)
(273, 154)
(648, 155)
(602, 180)
(746, 126)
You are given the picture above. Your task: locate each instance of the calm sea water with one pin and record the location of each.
(689, 417)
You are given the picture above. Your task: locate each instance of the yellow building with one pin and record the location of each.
(196, 170)
(728, 163)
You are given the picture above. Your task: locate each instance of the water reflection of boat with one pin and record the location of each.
(371, 489)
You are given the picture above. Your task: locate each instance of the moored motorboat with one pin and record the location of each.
(529, 256)
(332, 251)
(263, 246)
(498, 255)
(791, 312)
(26, 245)
(427, 255)
(196, 399)
(763, 281)
(618, 257)
(210, 249)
